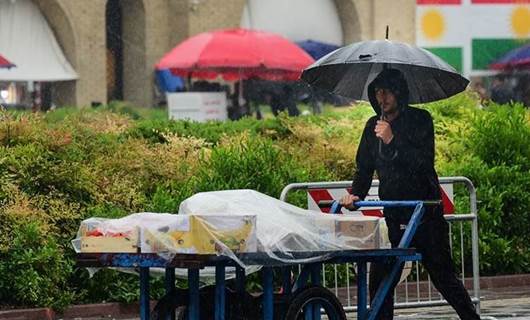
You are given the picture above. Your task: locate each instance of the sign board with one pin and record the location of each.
(197, 106)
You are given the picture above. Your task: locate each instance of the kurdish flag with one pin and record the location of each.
(471, 34)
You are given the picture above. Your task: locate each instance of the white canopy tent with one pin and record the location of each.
(28, 41)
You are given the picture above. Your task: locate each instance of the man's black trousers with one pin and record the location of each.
(432, 241)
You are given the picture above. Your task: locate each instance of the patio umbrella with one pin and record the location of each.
(237, 54)
(317, 49)
(518, 58)
(347, 71)
(4, 63)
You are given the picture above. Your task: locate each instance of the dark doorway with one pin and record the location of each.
(114, 50)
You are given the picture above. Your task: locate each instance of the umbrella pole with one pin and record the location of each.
(381, 153)
(241, 91)
(189, 81)
(382, 118)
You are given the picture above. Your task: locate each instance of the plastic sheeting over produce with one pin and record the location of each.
(230, 222)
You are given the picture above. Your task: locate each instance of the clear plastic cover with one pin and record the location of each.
(229, 222)
(285, 228)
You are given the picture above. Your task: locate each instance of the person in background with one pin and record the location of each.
(477, 85)
(522, 90)
(274, 101)
(501, 92)
(289, 101)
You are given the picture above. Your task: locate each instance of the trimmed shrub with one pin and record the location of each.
(34, 271)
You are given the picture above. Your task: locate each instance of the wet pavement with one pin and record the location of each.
(516, 308)
(503, 303)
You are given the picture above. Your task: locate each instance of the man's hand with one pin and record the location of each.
(383, 130)
(348, 200)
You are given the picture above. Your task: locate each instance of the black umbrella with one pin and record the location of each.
(347, 71)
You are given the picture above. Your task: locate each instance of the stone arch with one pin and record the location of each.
(60, 21)
(349, 17)
(134, 72)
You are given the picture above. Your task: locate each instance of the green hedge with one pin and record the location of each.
(62, 167)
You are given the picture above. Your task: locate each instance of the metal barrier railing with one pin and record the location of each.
(418, 299)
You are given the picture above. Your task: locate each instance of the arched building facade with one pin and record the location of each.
(116, 60)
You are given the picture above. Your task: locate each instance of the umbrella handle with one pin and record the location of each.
(381, 153)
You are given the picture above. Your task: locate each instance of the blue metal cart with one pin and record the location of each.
(311, 305)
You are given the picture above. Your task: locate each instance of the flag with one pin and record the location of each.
(471, 34)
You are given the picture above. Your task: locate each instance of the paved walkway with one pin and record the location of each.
(516, 308)
(503, 303)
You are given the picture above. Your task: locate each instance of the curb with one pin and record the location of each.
(517, 280)
(112, 310)
(102, 310)
(33, 314)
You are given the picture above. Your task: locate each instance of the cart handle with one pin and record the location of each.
(336, 206)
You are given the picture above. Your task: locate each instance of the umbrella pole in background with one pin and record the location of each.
(189, 81)
(240, 98)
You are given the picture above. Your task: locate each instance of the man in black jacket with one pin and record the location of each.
(404, 163)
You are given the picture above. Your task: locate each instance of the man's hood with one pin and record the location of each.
(393, 80)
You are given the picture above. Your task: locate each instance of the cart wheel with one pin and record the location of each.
(178, 301)
(315, 295)
(168, 304)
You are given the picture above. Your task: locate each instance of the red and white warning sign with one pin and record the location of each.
(314, 196)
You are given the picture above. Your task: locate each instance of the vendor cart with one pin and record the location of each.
(298, 300)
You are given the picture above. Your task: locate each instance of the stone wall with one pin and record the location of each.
(399, 15)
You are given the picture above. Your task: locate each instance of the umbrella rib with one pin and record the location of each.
(441, 87)
(366, 81)
(421, 97)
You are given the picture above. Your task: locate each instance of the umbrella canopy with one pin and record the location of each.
(316, 49)
(516, 58)
(237, 54)
(4, 63)
(168, 82)
(348, 71)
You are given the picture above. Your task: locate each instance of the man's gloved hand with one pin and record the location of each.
(348, 200)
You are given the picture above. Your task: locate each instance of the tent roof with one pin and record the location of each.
(28, 41)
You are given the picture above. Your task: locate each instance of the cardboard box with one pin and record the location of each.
(203, 234)
(357, 231)
(361, 232)
(115, 243)
(326, 227)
